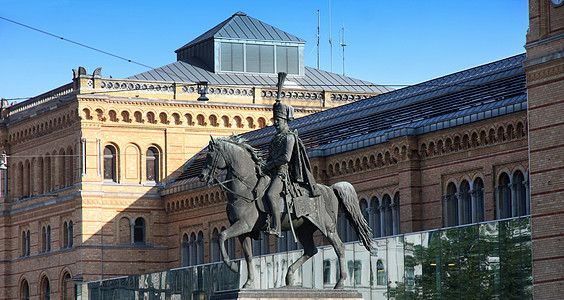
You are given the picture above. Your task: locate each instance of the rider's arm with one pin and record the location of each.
(285, 155)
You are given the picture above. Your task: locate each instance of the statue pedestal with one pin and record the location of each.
(285, 293)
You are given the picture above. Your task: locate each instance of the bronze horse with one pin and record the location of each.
(247, 220)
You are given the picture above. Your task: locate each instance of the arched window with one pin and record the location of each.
(24, 290)
(67, 234)
(185, 246)
(25, 243)
(396, 213)
(261, 122)
(380, 273)
(153, 163)
(125, 116)
(375, 218)
(48, 174)
(46, 239)
(110, 164)
(503, 190)
(192, 250)
(45, 289)
(225, 121)
(451, 206)
(68, 287)
(521, 188)
(138, 117)
(151, 118)
(63, 168)
(465, 203)
(201, 120)
(139, 231)
(213, 120)
(163, 118)
(364, 210)
(214, 247)
(41, 176)
(27, 177)
(387, 215)
(478, 200)
(237, 120)
(200, 248)
(250, 122)
(70, 165)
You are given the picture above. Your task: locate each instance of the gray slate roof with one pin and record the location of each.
(193, 70)
(241, 26)
(480, 93)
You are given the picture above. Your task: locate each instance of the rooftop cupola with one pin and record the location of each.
(243, 44)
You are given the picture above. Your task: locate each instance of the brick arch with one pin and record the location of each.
(510, 131)
(423, 150)
(151, 116)
(450, 179)
(519, 167)
(500, 172)
(520, 129)
(388, 158)
(465, 142)
(500, 133)
(250, 122)
(237, 121)
(379, 160)
(113, 115)
(431, 150)
(176, 118)
(456, 142)
(163, 118)
(100, 114)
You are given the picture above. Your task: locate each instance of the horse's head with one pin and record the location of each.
(215, 160)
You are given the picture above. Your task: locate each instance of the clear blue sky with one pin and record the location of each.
(388, 42)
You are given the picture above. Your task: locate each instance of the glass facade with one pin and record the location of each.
(481, 261)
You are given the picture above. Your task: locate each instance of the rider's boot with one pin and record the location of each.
(275, 228)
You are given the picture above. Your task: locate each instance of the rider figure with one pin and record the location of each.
(287, 165)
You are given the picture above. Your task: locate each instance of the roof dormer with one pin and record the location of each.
(242, 44)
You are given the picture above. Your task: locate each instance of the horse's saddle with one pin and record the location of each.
(300, 206)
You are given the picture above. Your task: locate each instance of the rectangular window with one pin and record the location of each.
(287, 59)
(232, 57)
(260, 58)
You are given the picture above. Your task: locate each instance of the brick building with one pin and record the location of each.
(85, 162)
(545, 87)
(468, 148)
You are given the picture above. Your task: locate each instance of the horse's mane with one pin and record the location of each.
(240, 141)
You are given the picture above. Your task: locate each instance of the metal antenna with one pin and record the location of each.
(318, 39)
(343, 45)
(330, 41)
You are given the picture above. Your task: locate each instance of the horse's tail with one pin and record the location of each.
(347, 197)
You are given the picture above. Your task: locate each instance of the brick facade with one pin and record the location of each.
(545, 85)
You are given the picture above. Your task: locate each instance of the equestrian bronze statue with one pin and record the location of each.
(279, 194)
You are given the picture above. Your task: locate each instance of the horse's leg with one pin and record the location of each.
(247, 246)
(236, 229)
(337, 244)
(305, 236)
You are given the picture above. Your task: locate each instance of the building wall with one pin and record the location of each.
(545, 74)
(54, 145)
(416, 167)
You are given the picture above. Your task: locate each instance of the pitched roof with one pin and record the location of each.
(193, 70)
(241, 26)
(464, 97)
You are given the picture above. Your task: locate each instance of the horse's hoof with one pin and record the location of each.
(339, 286)
(247, 285)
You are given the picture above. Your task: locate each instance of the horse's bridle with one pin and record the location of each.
(213, 176)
